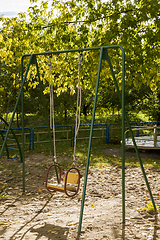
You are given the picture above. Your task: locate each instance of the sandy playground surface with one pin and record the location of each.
(39, 215)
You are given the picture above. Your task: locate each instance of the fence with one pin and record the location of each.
(152, 140)
(116, 132)
(67, 133)
(95, 131)
(27, 136)
(146, 124)
(63, 138)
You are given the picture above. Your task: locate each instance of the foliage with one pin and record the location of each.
(3, 195)
(73, 24)
(149, 207)
(98, 159)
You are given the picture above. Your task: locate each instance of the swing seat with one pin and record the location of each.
(72, 178)
(71, 182)
(60, 187)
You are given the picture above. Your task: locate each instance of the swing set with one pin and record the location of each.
(69, 184)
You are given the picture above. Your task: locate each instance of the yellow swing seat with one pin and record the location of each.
(60, 187)
(72, 178)
(71, 182)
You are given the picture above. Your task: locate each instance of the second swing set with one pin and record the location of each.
(56, 179)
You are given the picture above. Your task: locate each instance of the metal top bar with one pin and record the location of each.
(74, 50)
(138, 129)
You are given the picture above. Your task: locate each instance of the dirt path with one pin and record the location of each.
(130, 153)
(38, 215)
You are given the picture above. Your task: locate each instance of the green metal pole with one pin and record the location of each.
(106, 56)
(141, 164)
(123, 146)
(5, 144)
(90, 141)
(15, 107)
(73, 50)
(22, 102)
(14, 135)
(123, 136)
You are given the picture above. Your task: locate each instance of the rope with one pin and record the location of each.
(78, 112)
(52, 106)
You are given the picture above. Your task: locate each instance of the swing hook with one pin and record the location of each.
(80, 57)
(74, 161)
(50, 60)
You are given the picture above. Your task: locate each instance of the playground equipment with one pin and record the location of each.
(36, 135)
(103, 55)
(8, 141)
(150, 141)
(115, 125)
(70, 183)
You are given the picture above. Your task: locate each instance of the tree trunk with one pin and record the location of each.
(158, 113)
(85, 107)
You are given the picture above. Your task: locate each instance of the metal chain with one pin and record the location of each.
(78, 112)
(52, 125)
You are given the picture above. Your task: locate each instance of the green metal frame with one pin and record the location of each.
(15, 137)
(103, 56)
(5, 144)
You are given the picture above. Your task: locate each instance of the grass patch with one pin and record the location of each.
(149, 208)
(97, 158)
(3, 195)
(2, 166)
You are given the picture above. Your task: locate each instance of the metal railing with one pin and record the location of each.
(112, 129)
(107, 133)
(151, 141)
(67, 138)
(20, 135)
(94, 129)
(148, 123)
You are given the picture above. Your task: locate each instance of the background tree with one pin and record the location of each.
(72, 24)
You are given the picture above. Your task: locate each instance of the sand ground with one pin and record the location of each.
(39, 215)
